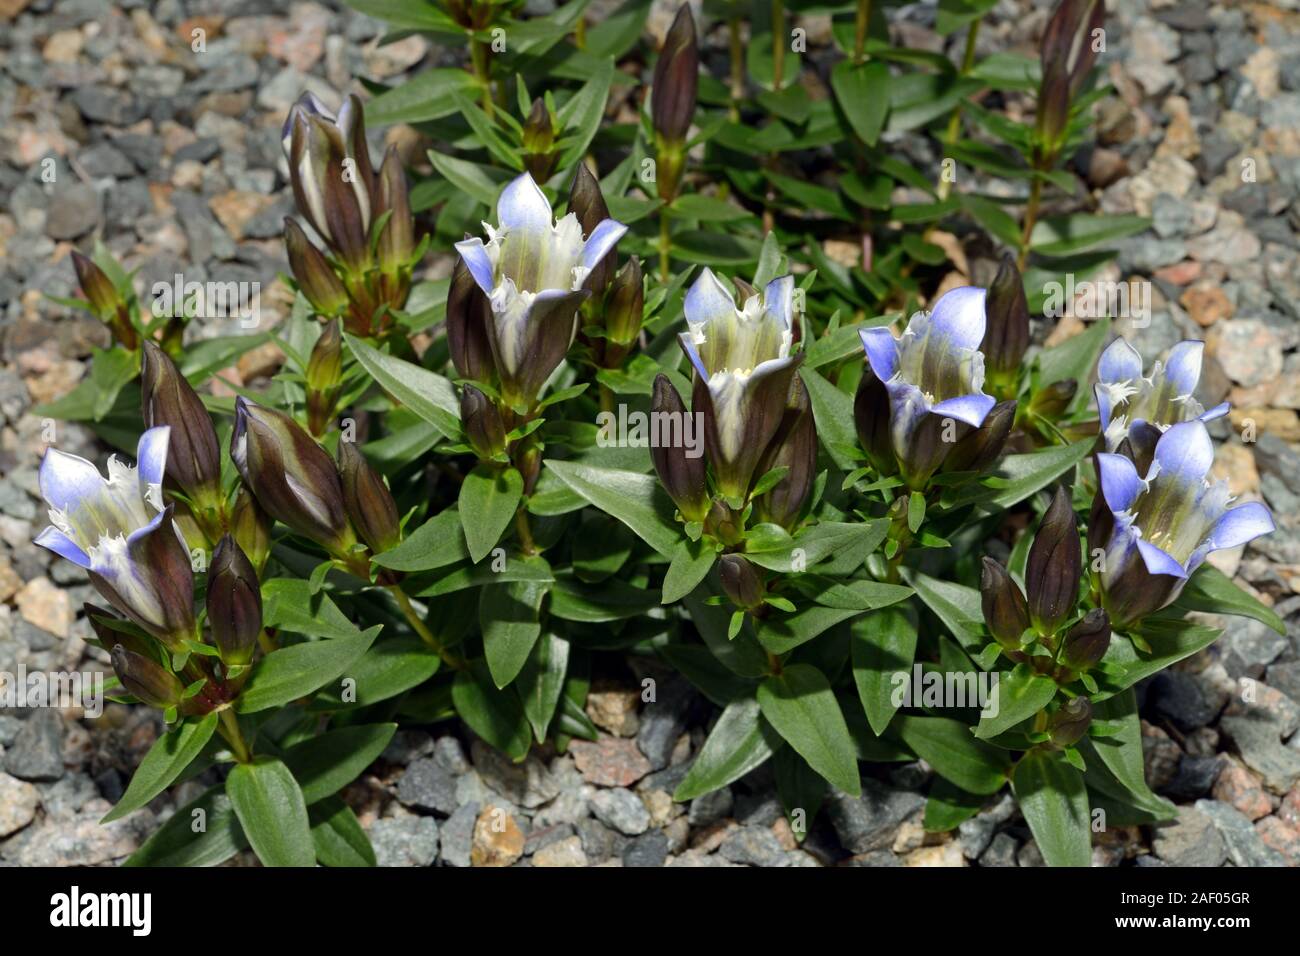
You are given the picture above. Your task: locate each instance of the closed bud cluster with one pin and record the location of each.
(364, 217)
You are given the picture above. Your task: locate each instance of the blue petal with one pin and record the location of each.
(1120, 482)
(882, 352)
(62, 545)
(151, 527)
(66, 479)
(1119, 363)
(692, 353)
(1218, 411)
(523, 206)
(1241, 524)
(477, 261)
(1158, 561)
(602, 241)
(970, 409)
(707, 299)
(151, 455)
(1183, 368)
(1103, 404)
(778, 299)
(958, 317)
(1185, 452)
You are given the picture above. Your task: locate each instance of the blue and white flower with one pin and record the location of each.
(533, 270)
(933, 372)
(119, 529)
(1161, 398)
(743, 369)
(1157, 529)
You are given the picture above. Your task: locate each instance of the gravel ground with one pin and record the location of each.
(171, 158)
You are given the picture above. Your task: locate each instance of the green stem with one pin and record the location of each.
(860, 27)
(479, 57)
(230, 731)
(525, 532)
(954, 122)
(737, 67)
(417, 624)
(778, 44)
(1031, 217)
(665, 245)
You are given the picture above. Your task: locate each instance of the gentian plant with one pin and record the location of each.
(797, 480)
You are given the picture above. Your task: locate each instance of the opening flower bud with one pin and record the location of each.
(369, 503)
(1055, 566)
(292, 476)
(1005, 611)
(740, 581)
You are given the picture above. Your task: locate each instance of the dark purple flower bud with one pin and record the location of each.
(234, 602)
(1005, 611)
(676, 80)
(146, 680)
(193, 453)
(1006, 329)
(104, 298)
(250, 526)
(538, 142)
(369, 502)
(682, 475)
(468, 314)
(625, 306)
(1070, 723)
(397, 238)
(794, 447)
(740, 581)
(1054, 568)
(979, 448)
(481, 420)
(871, 419)
(588, 203)
(313, 273)
(292, 476)
(324, 377)
(1086, 643)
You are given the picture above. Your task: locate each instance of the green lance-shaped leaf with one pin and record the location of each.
(1054, 801)
(165, 761)
(272, 811)
(738, 742)
(800, 704)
